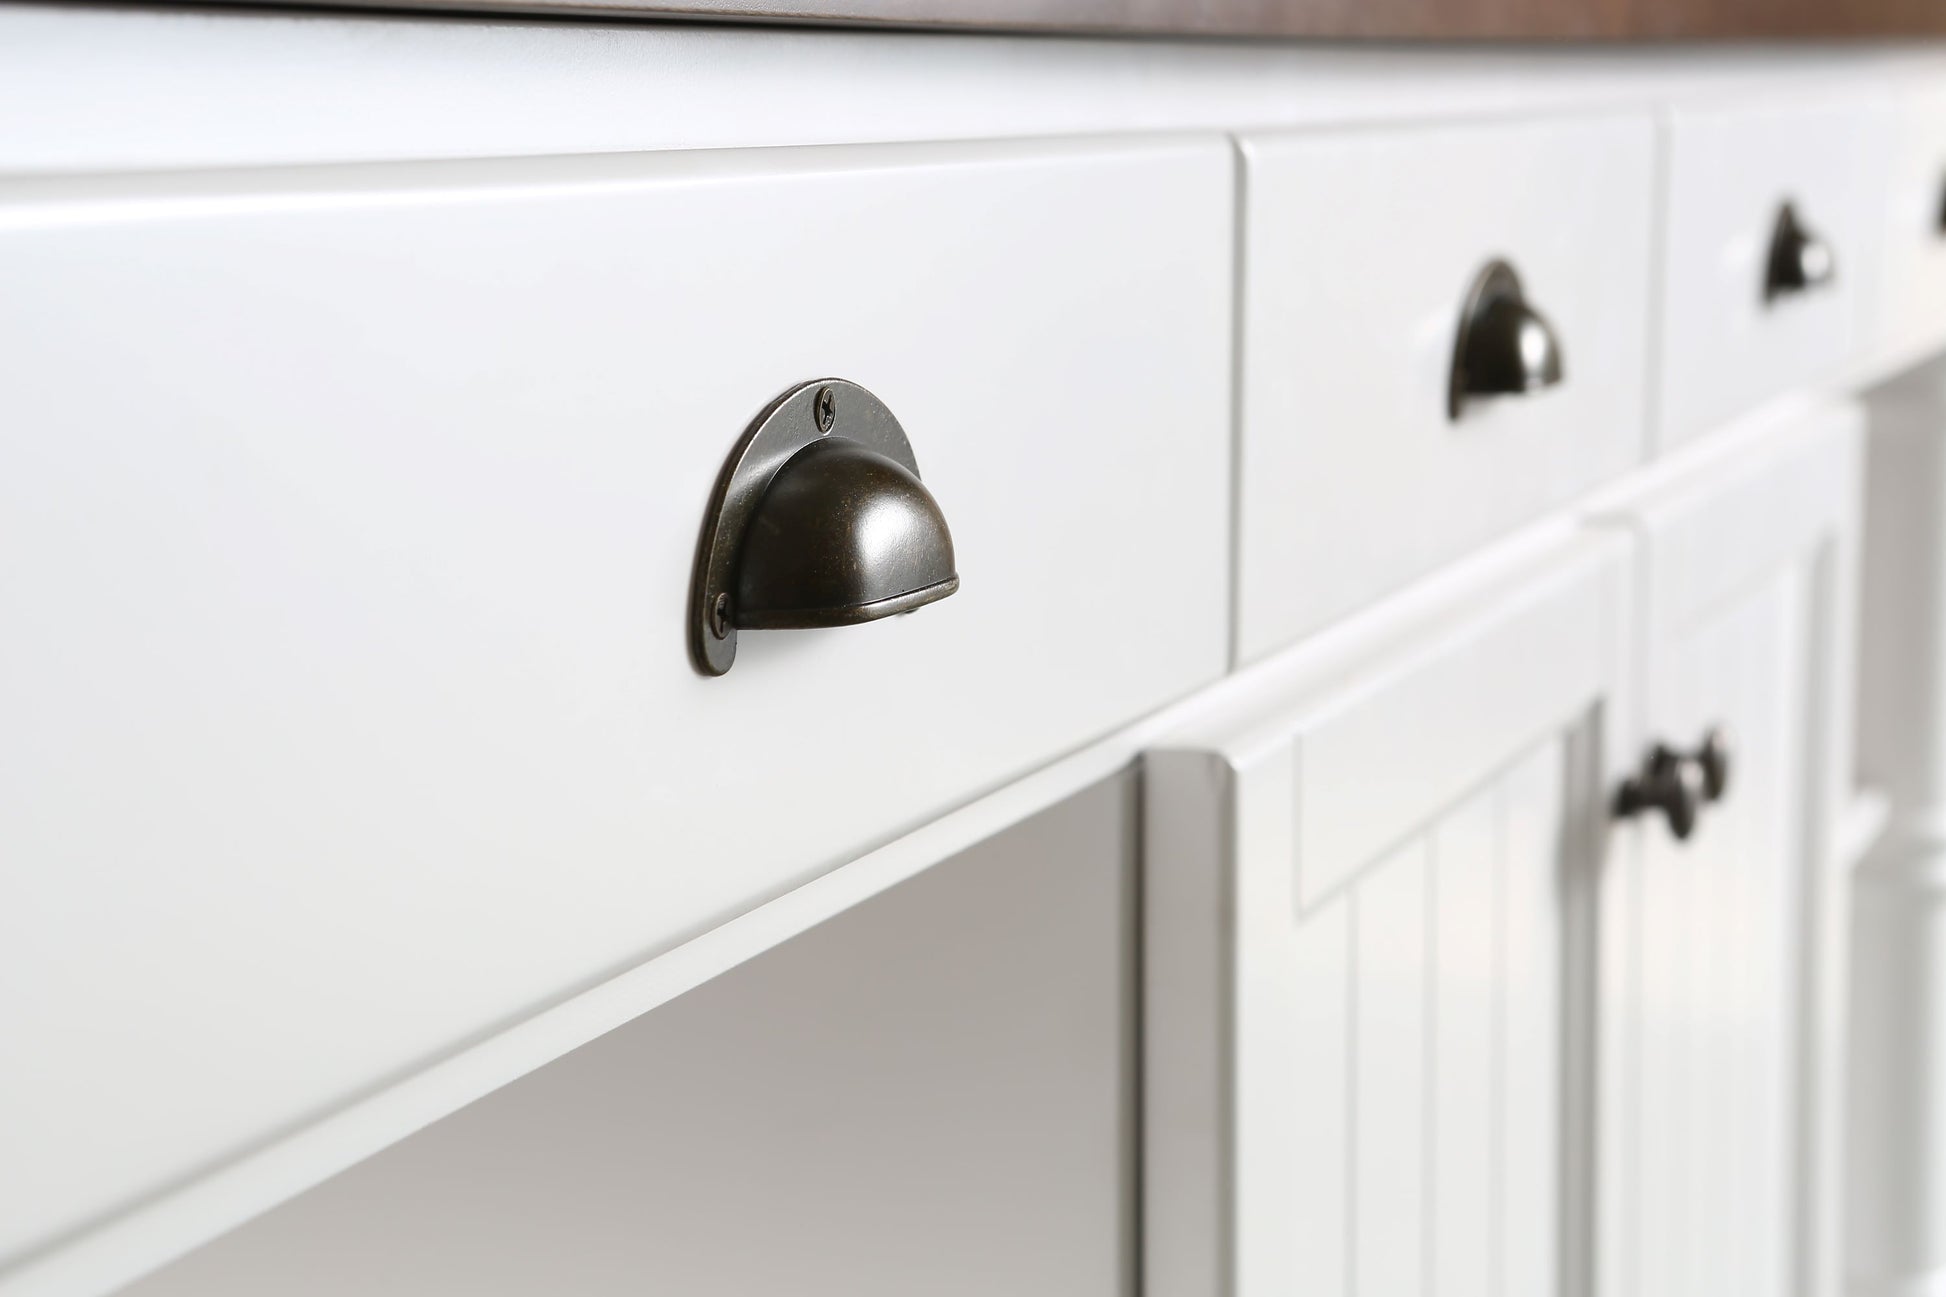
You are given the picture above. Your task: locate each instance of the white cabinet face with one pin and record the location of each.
(931, 1093)
(1448, 960)
(1414, 1009)
(1728, 340)
(1355, 475)
(1912, 276)
(1716, 938)
(1719, 1019)
(346, 703)
(1369, 891)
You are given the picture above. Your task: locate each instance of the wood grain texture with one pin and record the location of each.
(1408, 20)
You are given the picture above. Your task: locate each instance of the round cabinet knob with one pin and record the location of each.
(819, 519)
(1678, 783)
(1799, 260)
(1667, 783)
(1505, 346)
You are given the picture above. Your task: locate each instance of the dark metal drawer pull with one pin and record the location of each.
(1799, 260)
(1504, 346)
(819, 519)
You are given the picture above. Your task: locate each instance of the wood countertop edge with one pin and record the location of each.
(1412, 21)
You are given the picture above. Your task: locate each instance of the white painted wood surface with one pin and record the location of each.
(929, 1094)
(156, 1231)
(1729, 166)
(347, 701)
(1902, 692)
(1542, 864)
(132, 88)
(451, 659)
(1897, 1175)
(1364, 1089)
(1468, 1027)
(1663, 1057)
(1912, 251)
(1359, 250)
(1724, 1011)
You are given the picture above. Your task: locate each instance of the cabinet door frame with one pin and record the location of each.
(1385, 721)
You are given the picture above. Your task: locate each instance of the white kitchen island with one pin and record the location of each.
(1378, 815)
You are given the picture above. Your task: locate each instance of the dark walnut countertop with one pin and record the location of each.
(1395, 20)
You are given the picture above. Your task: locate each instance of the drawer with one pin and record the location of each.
(1734, 333)
(1361, 250)
(1912, 278)
(347, 706)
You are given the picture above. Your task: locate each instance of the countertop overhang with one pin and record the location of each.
(1649, 21)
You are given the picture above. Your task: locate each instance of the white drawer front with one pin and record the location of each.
(1726, 344)
(1912, 279)
(1359, 251)
(346, 704)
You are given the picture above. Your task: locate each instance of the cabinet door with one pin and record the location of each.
(1370, 879)
(1721, 993)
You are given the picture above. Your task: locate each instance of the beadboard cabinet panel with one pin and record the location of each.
(931, 1093)
(1724, 1010)
(1359, 251)
(346, 710)
(1456, 989)
(1495, 1032)
(1391, 1078)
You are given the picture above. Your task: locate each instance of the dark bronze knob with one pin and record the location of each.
(1678, 783)
(1504, 346)
(819, 519)
(1799, 260)
(1667, 783)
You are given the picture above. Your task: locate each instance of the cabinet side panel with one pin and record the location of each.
(1186, 983)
